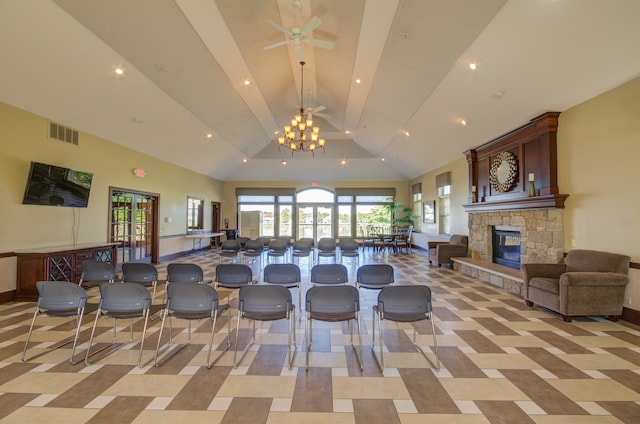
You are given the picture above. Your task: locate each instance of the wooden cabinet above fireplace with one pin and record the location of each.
(500, 170)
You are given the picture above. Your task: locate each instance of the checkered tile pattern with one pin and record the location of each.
(501, 362)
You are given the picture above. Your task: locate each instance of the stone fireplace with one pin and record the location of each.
(541, 233)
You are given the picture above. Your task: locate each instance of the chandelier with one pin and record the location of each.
(301, 135)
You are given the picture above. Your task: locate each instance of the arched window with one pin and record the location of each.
(315, 195)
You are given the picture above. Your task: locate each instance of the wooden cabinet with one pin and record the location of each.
(63, 263)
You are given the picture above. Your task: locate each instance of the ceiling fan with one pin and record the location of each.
(297, 36)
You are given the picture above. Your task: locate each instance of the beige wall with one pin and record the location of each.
(459, 170)
(229, 200)
(23, 138)
(598, 151)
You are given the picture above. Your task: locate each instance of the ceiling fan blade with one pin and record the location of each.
(317, 109)
(278, 26)
(319, 43)
(311, 25)
(278, 44)
(299, 52)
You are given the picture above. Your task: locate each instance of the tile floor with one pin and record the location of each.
(501, 362)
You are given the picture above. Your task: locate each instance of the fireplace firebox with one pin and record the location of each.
(506, 248)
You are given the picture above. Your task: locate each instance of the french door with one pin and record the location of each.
(134, 224)
(315, 221)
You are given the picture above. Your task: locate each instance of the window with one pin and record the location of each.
(344, 221)
(286, 220)
(256, 220)
(443, 183)
(265, 212)
(368, 216)
(195, 218)
(444, 209)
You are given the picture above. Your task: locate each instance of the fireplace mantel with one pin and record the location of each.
(553, 201)
(533, 149)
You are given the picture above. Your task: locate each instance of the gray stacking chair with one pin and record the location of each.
(374, 276)
(229, 249)
(58, 299)
(265, 303)
(302, 249)
(190, 302)
(233, 276)
(285, 275)
(95, 273)
(329, 274)
(277, 249)
(186, 273)
(121, 301)
(403, 304)
(349, 249)
(327, 249)
(332, 304)
(253, 249)
(242, 241)
(141, 273)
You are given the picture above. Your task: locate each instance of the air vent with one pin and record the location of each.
(62, 133)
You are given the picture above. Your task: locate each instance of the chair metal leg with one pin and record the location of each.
(379, 362)
(79, 316)
(251, 342)
(228, 346)
(292, 334)
(307, 340)
(358, 357)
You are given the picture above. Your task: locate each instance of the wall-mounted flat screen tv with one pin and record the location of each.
(57, 186)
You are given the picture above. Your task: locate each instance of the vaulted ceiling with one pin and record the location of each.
(187, 62)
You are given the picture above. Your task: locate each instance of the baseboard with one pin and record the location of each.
(631, 315)
(7, 296)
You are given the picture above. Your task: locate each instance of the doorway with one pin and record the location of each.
(315, 221)
(133, 223)
(215, 221)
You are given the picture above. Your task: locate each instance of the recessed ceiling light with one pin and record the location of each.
(358, 80)
(284, 162)
(473, 66)
(382, 159)
(343, 162)
(498, 94)
(209, 135)
(463, 122)
(247, 82)
(406, 133)
(137, 120)
(244, 160)
(347, 132)
(119, 70)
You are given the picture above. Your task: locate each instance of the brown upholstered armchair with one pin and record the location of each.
(441, 252)
(587, 283)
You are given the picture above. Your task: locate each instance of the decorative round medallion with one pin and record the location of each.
(504, 172)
